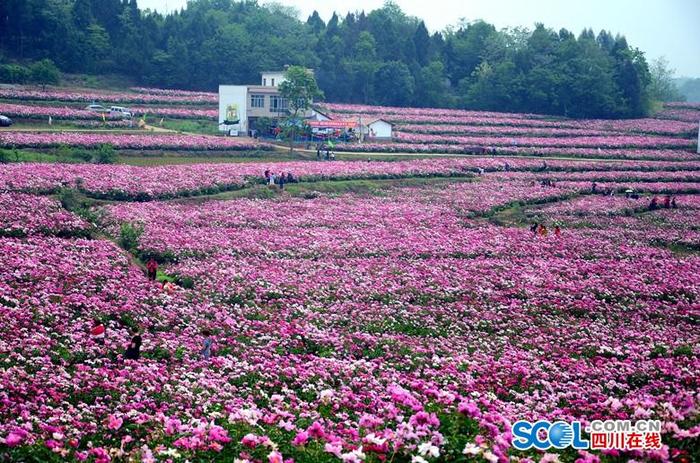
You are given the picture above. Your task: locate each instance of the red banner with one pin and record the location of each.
(335, 124)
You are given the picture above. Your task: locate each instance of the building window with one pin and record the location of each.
(278, 104)
(273, 81)
(264, 81)
(257, 101)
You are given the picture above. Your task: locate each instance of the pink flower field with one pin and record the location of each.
(670, 134)
(413, 317)
(79, 95)
(129, 141)
(25, 111)
(130, 182)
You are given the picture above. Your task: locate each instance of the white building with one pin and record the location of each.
(241, 105)
(271, 78)
(376, 129)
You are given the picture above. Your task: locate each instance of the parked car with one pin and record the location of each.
(98, 108)
(120, 111)
(5, 121)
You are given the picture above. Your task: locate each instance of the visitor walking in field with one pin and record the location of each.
(133, 350)
(654, 204)
(208, 342)
(152, 268)
(97, 332)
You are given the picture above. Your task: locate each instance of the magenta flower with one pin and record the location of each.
(114, 422)
(301, 438)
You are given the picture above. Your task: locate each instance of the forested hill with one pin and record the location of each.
(381, 57)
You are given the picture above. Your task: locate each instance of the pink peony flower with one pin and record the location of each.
(218, 434)
(335, 448)
(316, 430)
(15, 438)
(300, 439)
(250, 440)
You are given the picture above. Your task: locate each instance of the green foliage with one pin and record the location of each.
(185, 282)
(263, 125)
(105, 155)
(684, 350)
(207, 127)
(383, 56)
(301, 90)
(129, 235)
(45, 72)
(662, 87)
(69, 199)
(394, 84)
(158, 353)
(14, 74)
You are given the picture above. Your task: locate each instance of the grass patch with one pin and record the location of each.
(510, 216)
(15, 155)
(203, 126)
(679, 249)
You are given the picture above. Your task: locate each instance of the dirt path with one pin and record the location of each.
(153, 128)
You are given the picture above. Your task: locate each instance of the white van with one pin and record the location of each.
(120, 110)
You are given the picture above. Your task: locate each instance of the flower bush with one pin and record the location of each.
(144, 183)
(59, 94)
(173, 92)
(627, 141)
(37, 112)
(25, 111)
(406, 326)
(129, 141)
(22, 214)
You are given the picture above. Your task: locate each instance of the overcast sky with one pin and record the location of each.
(669, 28)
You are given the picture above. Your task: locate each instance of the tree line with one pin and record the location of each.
(382, 57)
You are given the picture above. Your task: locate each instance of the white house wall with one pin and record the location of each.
(381, 129)
(233, 97)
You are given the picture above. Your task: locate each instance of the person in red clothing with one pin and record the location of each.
(654, 204)
(97, 332)
(168, 287)
(152, 267)
(557, 230)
